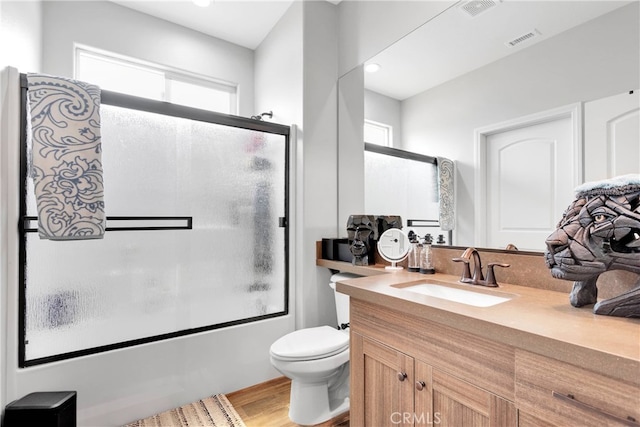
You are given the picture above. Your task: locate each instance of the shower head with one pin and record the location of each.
(268, 114)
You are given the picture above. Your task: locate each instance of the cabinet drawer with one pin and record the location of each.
(567, 395)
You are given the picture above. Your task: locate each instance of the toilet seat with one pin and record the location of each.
(310, 344)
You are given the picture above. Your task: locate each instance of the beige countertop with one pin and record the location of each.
(536, 320)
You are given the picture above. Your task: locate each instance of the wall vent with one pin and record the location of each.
(474, 8)
(523, 38)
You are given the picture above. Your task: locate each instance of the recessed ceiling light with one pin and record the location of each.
(202, 3)
(372, 68)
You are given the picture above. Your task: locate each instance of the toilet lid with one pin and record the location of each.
(310, 343)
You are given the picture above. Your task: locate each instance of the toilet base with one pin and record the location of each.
(312, 404)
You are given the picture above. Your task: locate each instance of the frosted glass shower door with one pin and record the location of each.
(141, 285)
(403, 183)
(397, 186)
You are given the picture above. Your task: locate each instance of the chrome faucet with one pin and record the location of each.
(478, 277)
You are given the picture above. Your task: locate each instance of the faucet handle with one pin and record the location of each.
(466, 271)
(491, 276)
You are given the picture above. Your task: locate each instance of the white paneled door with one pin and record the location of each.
(612, 136)
(530, 169)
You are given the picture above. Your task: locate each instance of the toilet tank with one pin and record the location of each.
(342, 300)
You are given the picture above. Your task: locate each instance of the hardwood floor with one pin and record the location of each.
(267, 405)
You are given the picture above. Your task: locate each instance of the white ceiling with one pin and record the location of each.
(450, 45)
(454, 43)
(245, 23)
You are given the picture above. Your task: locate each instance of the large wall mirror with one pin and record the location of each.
(452, 87)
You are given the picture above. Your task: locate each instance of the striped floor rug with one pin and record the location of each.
(214, 411)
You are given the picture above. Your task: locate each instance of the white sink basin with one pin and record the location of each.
(462, 296)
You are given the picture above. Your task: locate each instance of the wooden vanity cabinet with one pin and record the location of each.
(397, 389)
(576, 397)
(409, 373)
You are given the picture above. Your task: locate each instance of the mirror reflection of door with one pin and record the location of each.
(612, 136)
(530, 176)
(393, 245)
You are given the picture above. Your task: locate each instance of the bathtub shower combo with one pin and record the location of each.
(196, 234)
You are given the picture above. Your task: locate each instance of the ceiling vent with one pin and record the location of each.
(474, 8)
(523, 38)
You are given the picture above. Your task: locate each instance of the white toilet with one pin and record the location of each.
(317, 362)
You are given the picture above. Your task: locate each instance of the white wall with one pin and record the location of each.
(121, 386)
(131, 33)
(596, 59)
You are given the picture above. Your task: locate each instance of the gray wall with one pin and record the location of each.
(21, 34)
(319, 42)
(350, 147)
(318, 204)
(296, 77)
(368, 27)
(384, 109)
(20, 47)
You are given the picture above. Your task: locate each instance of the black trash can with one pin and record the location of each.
(42, 409)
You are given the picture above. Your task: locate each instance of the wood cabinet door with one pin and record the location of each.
(381, 385)
(459, 403)
(424, 414)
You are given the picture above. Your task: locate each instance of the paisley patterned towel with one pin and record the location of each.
(66, 164)
(446, 174)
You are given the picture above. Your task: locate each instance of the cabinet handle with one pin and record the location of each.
(402, 376)
(571, 399)
(420, 385)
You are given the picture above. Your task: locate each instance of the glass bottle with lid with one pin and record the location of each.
(413, 257)
(426, 256)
